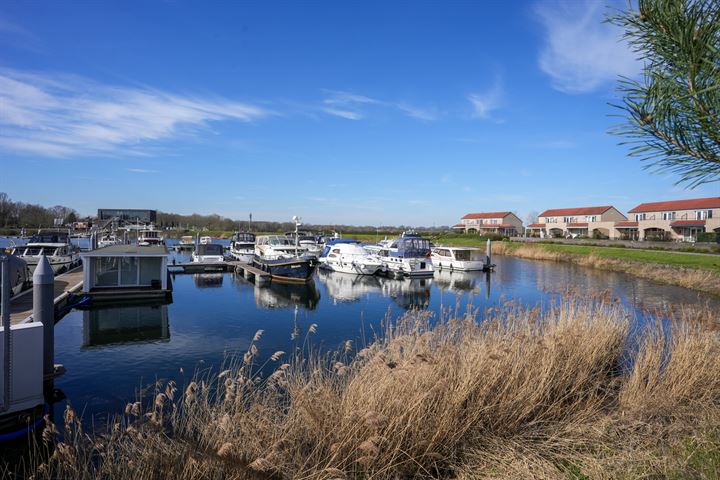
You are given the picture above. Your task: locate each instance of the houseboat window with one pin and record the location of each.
(128, 270)
(106, 271)
(49, 252)
(33, 251)
(150, 269)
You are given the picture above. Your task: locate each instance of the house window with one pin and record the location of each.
(668, 216)
(590, 218)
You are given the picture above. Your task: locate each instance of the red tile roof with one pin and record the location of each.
(560, 212)
(487, 215)
(687, 223)
(536, 225)
(626, 224)
(695, 203)
(577, 224)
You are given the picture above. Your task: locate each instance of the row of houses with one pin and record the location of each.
(679, 220)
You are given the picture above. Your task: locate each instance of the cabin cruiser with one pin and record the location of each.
(242, 247)
(149, 235)
(205, 240)
(55, 245)
(407, 255)
(208, 252)
(187, 241)
(283, 259)
(108, 240)
(19, 275)
(308, 241)
(459, 258)
(348, 256)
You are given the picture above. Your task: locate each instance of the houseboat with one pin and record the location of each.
(55, 245)
(242, 247)
(127, 272)
(407, 255)
(348, 256)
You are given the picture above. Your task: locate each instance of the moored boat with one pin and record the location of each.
(282, 259)
(149, 235)
(407, 255)
(55, 245)
(242, 247)
(348, 256)
(19, 274)
(458, 258)
(208, 252)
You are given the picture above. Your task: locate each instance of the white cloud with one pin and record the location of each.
(140, 170)
(582, 52)
(352, 106)
(485, 103)
(64, 115)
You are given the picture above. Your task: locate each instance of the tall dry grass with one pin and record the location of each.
(693, 278)
(519, 393)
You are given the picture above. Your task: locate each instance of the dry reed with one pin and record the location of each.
(519, 393)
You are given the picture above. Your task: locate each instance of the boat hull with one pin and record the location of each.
(242, 257)
(464, 265)
(59, 264)
(293, 270)
(411, 267)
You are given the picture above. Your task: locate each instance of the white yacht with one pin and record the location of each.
(19, 275)
(459, 258)
(308, 241)
(149, 235)
(407, 255)
(109, 239)
(55, 245)
(277, 247)
(208, 252)
(205, 240)
(187, 241)
(242, 247)
(348, 256)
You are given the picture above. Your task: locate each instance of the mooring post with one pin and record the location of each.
(197, 243)
(5, 314)
(488, 254)
(44, 311)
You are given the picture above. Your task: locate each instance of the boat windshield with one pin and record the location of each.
(245, 237)
(47, 237)
(413, 247)
(275, 241)
(210, 249)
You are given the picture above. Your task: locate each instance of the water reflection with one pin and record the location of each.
(407, 293)
(208, 280)
(123, 325)
(284, 295)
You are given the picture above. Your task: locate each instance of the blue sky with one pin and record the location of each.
(341, 112)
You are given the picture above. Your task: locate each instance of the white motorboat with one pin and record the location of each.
(459, 258)
(348, 256)
(205, 240)
(108, 240)
(149, 235)
(208, 252)
(187, 241)
(277, 247)
(55, 245)
(407, 255)
(242, 247)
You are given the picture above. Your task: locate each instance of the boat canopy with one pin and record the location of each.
(49, 237)
(412, 246)
(336, 241)
(210, 249)
(244, 237)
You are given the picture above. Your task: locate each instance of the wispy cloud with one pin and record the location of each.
(64, 115)
(352, 106)
(486, 102)
(581, 51)
(140, 170)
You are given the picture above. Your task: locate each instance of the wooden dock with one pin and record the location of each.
(248, 271)
(21, 305)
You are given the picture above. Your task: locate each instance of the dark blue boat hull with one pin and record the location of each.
(297, 270)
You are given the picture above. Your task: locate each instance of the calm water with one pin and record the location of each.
(110, 354)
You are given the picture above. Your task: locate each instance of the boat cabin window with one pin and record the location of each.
(34, 251)
(463, 254)
(49, 251)
(210, 249)
(336, 250)
(49, 238)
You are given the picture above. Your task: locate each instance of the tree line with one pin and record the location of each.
(29, 215)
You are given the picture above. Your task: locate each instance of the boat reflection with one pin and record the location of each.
(408, 293)
(346, 287)
(461, 282)
(284, 295)
(122, 325)
(208, 280)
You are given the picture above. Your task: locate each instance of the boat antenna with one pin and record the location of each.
(296, 219)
